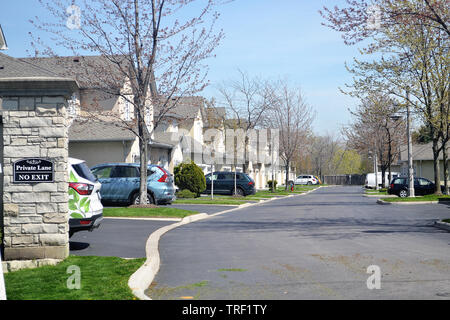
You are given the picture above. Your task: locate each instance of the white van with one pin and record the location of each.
(85, 207)
(370, 179)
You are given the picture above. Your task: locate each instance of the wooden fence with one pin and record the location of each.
(347, 179)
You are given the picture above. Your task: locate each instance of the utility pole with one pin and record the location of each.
(375, 164)
(410, 159)
(273, 165)
(212, 181)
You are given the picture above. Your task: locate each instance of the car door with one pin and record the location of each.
(125, 179)
(221, 186)
(425, 186)
(417, 188)
(103, 175)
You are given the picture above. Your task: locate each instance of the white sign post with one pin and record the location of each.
(2, 282)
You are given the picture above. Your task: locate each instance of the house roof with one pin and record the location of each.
(182, 108)
(214, 117)
(20, 78)
(95, 131)
(420, 152)
(12, 68)
(89, 71)
(103, 131)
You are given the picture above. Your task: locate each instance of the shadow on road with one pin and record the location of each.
(76, 246)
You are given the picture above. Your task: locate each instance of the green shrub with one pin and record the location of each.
(185, 194)
(269, 182)
(189, 176)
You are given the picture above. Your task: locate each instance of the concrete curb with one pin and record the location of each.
(442, 225)
(379, 201)
(379, 196)
(143, 277)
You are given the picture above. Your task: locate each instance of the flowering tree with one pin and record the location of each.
(159, 46)
(411, 43)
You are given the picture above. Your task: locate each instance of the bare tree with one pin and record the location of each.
(293, 117)
(377, 128)
(248, 101)
(154, 44)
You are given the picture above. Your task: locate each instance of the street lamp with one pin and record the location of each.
(410, 158)
(375, 166)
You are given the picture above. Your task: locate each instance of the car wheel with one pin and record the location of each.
(309, 183)
(136, 199)
(403, 194)
(239, 192)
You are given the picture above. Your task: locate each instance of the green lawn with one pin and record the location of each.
(376, 192)
(208, 200)
(102, 278)
(446, 220)
(430, 197)
(161, 212)
(259, 195)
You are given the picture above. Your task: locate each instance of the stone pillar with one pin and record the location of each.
(35, 214)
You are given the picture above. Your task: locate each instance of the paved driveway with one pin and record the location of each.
(124, 238)
(316, 246)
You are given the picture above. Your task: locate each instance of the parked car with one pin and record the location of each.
(224, 183)
(121, 182)
(85, 207)
(306, 179)
(370, 179)
(399, 186)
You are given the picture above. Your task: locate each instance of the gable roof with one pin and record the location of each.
(12, 68)
(3, 44)
(89, 71)
(420, 152)
(183, 108)
(94, 131)
(20, 78)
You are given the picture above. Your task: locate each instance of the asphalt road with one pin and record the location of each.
(126, 238)
(317, 246)
(116, 238)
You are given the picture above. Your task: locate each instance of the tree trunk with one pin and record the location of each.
(287, 174)
(143, 155)
(445, 160)
(436, 167)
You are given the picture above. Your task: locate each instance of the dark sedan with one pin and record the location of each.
(399, 187)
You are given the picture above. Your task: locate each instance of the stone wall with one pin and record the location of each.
(35, 215)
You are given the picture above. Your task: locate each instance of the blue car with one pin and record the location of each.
(120, 183)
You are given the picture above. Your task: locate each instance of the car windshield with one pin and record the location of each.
(83, 171)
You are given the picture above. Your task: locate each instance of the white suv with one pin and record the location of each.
(85, 207)
(306, 179)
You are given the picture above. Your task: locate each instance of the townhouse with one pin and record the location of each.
(102, 127)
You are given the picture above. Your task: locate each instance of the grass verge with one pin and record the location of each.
(102, 278)
(205, 200)
(161, 212)
(429, 197)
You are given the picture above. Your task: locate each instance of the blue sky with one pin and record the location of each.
(266, 38)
